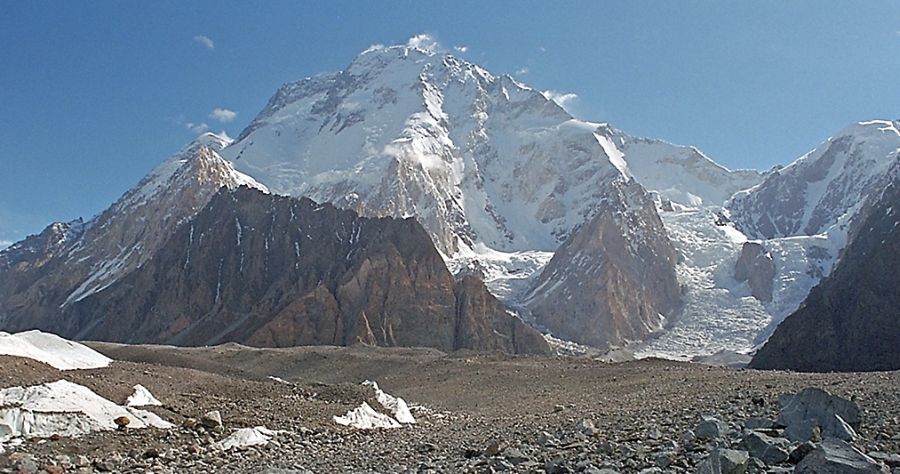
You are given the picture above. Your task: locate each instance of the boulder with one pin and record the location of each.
(766, 448)
(801, 413)
(836, 456)
(725, 461)
(711, 428)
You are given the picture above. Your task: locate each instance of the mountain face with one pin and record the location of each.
(822, 189)
(275, 271)
(851, 321)
(404, 131)
(614, 279)
(67, 262)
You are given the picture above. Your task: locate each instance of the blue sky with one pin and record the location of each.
(94, 94)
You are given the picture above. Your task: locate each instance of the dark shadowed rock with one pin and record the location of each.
(757, 268)
(274, 271)
(851, 320)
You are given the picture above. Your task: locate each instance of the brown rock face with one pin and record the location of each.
(613, 279)
(756, 266)
(275, 271)
(69, 261)
(851, 320)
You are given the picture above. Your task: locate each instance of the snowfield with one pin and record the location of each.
(52, 350)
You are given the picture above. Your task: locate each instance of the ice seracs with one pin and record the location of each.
(142, 398)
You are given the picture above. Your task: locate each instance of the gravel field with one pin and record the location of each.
(475, 412)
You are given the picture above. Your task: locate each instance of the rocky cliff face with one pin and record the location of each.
(851, 321)
(275, 271)
(756, 267)
(613, 281)
(68, 262)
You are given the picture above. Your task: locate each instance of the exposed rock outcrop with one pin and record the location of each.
(613, 281)
(67, 262)
(757, 268)
(275, 271)
(850, 321)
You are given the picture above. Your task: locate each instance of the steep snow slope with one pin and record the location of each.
(405, 131)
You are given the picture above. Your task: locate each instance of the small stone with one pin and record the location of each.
(122, 422)
(54, 469)
(211, 419)
(758, 423)
(514, 456)
(801, 451)
(494, 448)
(558, 408)
(586, 427)
(426, 448)
(82, 461)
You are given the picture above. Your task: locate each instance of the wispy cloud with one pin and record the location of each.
(461, 49)
(197, 128)
(564, 99)
(425, 42)
(522, 71)
(222, 115)
(542, 49)
(5, 243)
(206, 41)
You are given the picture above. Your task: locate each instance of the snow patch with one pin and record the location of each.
(66, 409)
(246, 437)
(397, 406)
(52, 350)
(366, 418)
(142, 398)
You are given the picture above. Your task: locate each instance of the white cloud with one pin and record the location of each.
(425, 42)
(205, 41)
(197, 128)
(5, 243)
(542, 49)
(222, 115)
(461, 49)
(564, 99)
(522, 71)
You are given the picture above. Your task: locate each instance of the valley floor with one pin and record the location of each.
(464, 403)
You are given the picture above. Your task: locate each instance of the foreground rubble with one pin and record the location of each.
(473, 413)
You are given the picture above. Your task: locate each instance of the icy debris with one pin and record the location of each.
(142, 398)
(397, 406)
(51, 350)
(279, 380)
(66, 409)
(366, 418)
(246, 437)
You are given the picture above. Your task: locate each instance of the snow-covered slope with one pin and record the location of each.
(679, 174)
(51, 350)
(407, 131)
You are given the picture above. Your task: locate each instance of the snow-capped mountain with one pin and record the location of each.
(406, 131)
(822, 189)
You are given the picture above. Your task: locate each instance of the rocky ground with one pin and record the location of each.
(475, 412)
